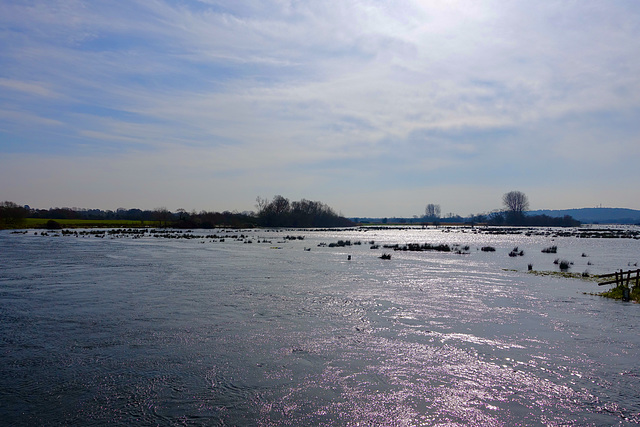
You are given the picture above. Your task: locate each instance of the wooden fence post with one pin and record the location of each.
(629, 279)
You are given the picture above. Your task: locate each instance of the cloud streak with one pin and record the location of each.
(322, 100)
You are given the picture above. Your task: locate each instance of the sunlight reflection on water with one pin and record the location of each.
(168, 332)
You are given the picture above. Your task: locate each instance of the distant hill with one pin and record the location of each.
(596, 215)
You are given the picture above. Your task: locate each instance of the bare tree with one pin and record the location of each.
(280, 205)
(183, 215)
(432, 211)
(261, 204)
(516, 202)
(162, 216)
(274, 213)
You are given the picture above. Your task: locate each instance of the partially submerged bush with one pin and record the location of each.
(416, 247)
(565, 265)
(340, 243)
(550, 250)
(53, 225)
(515, 252)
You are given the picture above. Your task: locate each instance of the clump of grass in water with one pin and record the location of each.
(515, 252)
(583, 276)
(563, 264)
(618, 292)
(550, 250)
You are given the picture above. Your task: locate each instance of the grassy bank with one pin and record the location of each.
(566, 274)
(617, 293)
(613, 293)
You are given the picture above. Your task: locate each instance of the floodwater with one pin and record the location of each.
(120, 330)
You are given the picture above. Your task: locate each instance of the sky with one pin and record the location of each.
(374, 107)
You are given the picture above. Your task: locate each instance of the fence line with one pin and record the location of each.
(620, 279)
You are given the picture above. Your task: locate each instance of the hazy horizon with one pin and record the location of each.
(375, 109)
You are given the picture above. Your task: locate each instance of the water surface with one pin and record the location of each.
(201, 331)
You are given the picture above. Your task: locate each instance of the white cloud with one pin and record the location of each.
(261, 89)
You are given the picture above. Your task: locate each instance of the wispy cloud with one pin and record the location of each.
(323, 99)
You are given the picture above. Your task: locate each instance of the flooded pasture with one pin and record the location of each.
(287, 327)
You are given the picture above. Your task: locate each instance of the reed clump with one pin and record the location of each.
(618, 293)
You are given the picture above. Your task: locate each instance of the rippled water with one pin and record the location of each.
(204, 332)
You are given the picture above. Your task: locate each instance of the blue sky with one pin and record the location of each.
(373, 107)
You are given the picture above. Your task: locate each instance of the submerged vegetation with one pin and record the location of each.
(582, 276)
(515, 252)
(417, 247)
(619, 292)
(58, 228)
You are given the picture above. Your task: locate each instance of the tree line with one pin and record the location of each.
(12, 215)
(279, 212)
